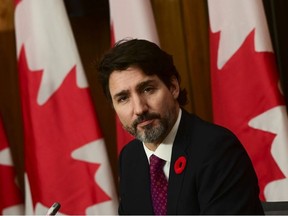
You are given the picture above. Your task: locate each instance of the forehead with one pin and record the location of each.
(128, 79)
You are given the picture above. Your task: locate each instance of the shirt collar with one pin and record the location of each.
(164, 150)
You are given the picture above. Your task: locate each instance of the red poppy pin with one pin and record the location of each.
(179, 165)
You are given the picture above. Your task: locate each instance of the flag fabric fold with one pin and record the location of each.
(65, 153)
(11, 199)
(131, 19)
(246, 91)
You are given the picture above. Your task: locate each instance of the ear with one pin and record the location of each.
(174, 88)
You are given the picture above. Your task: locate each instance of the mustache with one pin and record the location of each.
(145, 117)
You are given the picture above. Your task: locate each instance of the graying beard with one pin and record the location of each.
(151, 134)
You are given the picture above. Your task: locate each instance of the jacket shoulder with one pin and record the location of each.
(193, 124)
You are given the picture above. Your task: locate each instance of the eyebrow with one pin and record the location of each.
(139, 87)
(142, 85)
(121, 93)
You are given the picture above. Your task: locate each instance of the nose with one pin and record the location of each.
(140, 105)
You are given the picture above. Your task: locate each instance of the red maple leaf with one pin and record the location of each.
(244, 88)
(53, 131)
(10, 193)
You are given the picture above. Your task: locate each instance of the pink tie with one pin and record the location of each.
(159, 185)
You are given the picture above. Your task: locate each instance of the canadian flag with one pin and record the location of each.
(11, 200)
(65, 153)
(246, 92)
(131, 19)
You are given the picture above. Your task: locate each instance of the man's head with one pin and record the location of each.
(143, 54)
(142, 83)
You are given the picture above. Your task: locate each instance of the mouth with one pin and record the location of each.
(145, 123)
(145, 120)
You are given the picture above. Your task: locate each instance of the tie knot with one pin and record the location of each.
(156, 163)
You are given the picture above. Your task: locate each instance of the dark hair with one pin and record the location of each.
(142, 54)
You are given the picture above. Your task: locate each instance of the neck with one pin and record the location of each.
(152, 146)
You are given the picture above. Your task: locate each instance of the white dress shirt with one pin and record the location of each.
(164, 150)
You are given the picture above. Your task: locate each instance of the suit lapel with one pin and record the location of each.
(141, 179)
(175, 180)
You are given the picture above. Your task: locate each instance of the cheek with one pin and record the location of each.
(123, 115)
(164, 102)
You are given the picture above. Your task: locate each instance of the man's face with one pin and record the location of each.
(145, 106)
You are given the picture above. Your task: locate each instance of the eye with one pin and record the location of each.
(148, 89)
(122, 99)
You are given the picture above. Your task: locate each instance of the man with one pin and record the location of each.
(207, 168)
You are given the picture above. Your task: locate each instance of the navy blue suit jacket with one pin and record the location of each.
(218, 178)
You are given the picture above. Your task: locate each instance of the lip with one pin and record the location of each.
(144, 123)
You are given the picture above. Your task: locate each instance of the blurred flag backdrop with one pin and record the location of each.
(65, 153)
(11, 198)
(246, 92)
